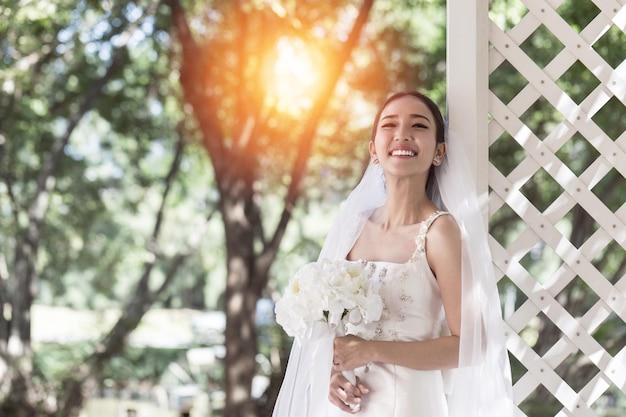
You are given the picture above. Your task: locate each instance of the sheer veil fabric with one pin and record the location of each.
(481, 385)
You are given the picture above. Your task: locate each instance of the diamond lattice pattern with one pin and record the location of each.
(557, 205)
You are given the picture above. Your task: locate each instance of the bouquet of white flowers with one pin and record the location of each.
(335, 292)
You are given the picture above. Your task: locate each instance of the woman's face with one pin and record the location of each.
(405, 138)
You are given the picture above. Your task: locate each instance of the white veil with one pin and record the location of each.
(481, 386)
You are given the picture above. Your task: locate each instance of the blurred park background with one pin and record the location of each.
(165, 166)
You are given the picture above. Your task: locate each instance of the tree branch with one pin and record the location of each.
(113, 343)
(299, 168)
(194, 83)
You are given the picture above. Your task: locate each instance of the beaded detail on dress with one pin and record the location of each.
(420, 239)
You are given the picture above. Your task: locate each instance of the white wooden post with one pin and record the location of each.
(468, 87)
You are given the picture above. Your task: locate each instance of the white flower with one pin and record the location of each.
(337, 292)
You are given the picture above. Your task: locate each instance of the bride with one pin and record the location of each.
(414, 224)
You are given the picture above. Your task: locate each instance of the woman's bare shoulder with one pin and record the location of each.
(444, 231)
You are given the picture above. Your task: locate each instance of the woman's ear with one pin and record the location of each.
(373, 156)
(440, 151)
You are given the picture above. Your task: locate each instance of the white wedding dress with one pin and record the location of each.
(412, 311)
(481, 385)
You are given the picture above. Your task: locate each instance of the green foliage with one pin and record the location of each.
(51, 361)
(109, 178)
(134, 365)
(139, 364)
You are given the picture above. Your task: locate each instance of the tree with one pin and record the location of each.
(29, 211)
(219, 76)
(61, 75)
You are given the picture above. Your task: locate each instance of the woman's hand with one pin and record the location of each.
(349, 352)
(347, 355)
(345, 395)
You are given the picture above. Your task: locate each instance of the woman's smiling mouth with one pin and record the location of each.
(402, 152)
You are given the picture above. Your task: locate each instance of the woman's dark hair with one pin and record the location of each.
(440, 131)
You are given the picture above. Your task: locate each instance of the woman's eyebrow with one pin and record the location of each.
(413, 116)
(420, 116)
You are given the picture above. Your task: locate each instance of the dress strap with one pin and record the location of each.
(420, 239)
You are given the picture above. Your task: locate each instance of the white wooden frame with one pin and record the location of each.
(482, 118)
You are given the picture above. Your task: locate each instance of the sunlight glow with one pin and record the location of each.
(295, 76)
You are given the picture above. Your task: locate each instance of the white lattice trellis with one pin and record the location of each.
(476, 50)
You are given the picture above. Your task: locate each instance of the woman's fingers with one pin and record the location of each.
(345, 395)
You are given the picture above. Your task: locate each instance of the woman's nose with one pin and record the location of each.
(403, 133)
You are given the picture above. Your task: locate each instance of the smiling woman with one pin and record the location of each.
(294, 76)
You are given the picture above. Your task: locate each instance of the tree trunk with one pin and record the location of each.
(22, 294)
(19, 397)
(247, 266)
(241, 298)
(18, 355)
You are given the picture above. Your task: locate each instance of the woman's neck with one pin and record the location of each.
(407, 203)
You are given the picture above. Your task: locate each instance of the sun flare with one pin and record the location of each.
(295, 76)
